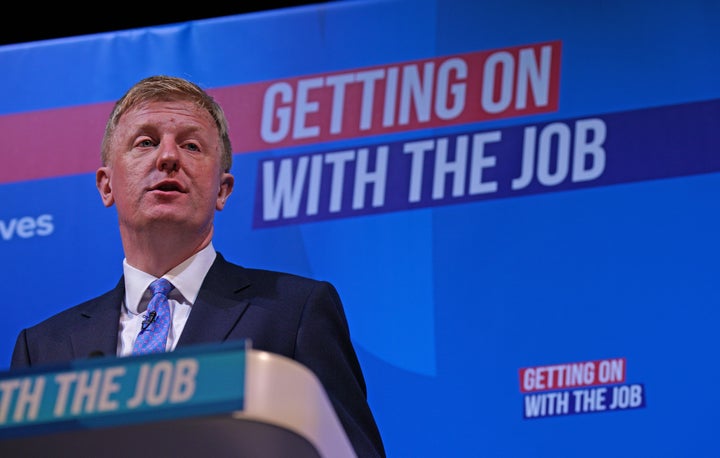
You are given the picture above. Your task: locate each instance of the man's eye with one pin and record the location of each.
(145, 143)
(192, 147)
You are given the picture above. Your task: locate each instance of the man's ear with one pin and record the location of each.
(227, 181)
(102, 181)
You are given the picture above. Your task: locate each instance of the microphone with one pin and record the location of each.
(149, 319)
(96, 354)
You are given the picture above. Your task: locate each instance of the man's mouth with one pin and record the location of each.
(168, 186)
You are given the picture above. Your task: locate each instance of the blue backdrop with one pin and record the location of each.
(511, 197)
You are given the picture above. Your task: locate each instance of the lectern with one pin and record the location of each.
(209, 401)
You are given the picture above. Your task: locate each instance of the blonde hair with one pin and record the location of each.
(169, 88)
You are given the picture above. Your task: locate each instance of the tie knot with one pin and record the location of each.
(161, 286)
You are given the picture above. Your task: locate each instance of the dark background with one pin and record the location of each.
(31, 21)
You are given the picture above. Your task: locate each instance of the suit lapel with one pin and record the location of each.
(98, 335)
(219, 306)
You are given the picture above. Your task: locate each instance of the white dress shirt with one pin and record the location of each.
(186, 278)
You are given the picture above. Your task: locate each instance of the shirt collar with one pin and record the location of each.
(187, 277)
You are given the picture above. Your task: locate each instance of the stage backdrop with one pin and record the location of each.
(517, 200)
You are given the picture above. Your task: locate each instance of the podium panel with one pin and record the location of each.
(207, 401)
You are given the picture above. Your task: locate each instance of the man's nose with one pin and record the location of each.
(168, 157)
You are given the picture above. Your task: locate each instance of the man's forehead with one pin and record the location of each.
(174, 113)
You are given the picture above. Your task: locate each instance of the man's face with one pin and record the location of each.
(164, 167)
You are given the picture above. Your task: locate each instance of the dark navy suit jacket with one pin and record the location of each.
(285, 314)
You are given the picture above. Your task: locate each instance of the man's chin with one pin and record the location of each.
(169, 217)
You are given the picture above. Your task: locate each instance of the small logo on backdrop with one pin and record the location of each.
(581, 387)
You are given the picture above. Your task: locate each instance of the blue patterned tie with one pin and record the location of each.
(153, 334)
